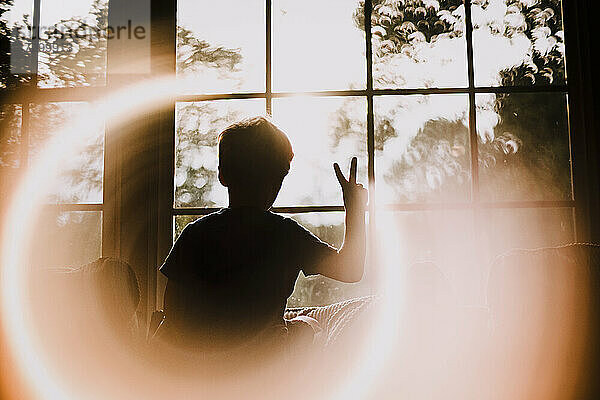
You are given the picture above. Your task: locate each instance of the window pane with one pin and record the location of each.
(443, 237)
(10, 135)
(328, 226)
(518, 43)
(418, 44)
(318, 45)
(72, 43)
(524, 147)
(180, 222)
(422, 148)
(448, 239)
(316, 290)
(66, 239)
(507, 229)
(221, 45)
(78, 179)
(198, 124)
(16, 67)
(322, 130)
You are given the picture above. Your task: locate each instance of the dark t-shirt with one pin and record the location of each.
(234, 269)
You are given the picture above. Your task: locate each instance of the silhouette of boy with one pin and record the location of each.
(231, 272)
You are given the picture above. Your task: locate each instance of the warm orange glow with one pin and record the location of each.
(110, 370)
(415, 342)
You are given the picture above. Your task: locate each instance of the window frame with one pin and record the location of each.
(370, 93)
(158, 225)
(27, 94)
(474, 203)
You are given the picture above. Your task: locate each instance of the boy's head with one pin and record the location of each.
(254, 157)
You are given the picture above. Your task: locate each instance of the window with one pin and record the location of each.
(38, 83)
(461, 117)
(462, 132)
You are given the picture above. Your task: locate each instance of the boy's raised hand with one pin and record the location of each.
(355, 195)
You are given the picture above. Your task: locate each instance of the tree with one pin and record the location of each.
(422, 149)
(9, 41)
(81, 43)
(522, 133)
(540, 166)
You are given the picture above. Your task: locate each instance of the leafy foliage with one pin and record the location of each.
(85, 63)
(398, 23)
(438, 155)
(525, 155)
(193, 52)
(543, 26)
(8, 43)
(537, 123)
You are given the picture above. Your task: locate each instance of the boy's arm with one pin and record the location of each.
(347, 265)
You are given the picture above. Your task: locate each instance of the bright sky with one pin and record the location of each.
(233, 25)
(316, 46)
(307, 51)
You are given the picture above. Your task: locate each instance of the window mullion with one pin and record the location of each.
(371, 240)
(472, 105)
(478, 256)
(370, 116)
(33, 71)
(268, 71)
(35, 42)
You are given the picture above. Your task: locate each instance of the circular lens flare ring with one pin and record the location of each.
(118, 108)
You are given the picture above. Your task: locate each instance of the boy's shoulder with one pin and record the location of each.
(202, 221)
(227, 216)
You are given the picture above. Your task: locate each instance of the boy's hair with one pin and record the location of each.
(254, 151)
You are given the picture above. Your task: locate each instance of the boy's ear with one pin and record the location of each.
(221, 179)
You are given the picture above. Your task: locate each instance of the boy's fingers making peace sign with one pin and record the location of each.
(340, 176)
(355, 195)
